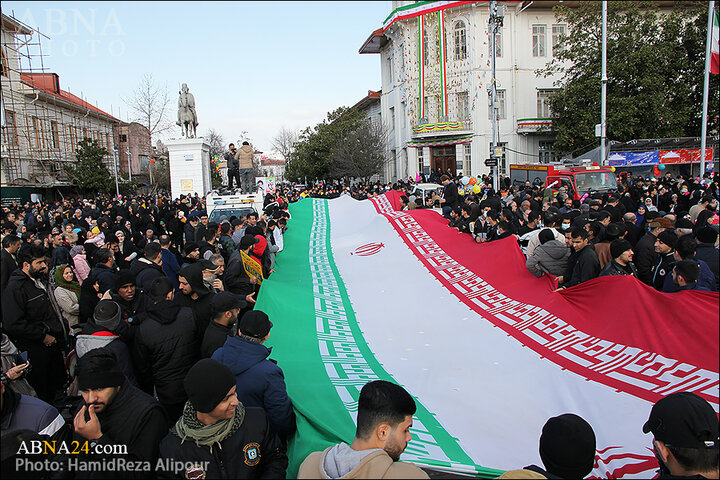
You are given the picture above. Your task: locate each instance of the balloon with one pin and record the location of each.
(473, 180)
(661, 166)
(477, 189)
(612, 169)
(461, 192)
(465, 180)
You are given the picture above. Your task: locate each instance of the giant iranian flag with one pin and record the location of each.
(363, 292)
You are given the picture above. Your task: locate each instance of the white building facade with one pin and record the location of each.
(436, 74)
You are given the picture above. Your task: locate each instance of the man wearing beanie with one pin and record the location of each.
(665, 249)
(192, 254)
(196, 295)
(113, 411)
(130, 299)
(685, 250)
(166, 346)
(103, 331)
(260, 382)
(567, 449)
(686, 439)
(225, 307)
(707, 251)
(621, 263)
(219, 434)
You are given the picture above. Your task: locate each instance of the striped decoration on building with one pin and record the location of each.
(421, 68)
(443, 62)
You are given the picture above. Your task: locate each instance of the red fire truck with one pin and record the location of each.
(578, 180)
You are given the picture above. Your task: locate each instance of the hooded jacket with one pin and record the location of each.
(244, 156)
(145, 272)
(27, 312)
(104, 275)
(94, 336)
(165, 348)
(341, 461)
(550, 257)
(201, 306)
(260, 382)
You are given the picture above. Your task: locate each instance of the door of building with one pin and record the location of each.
(443, 158)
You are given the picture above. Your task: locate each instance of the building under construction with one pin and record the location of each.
(42, 124)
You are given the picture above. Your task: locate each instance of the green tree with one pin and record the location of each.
(89, 172)
(655, 64)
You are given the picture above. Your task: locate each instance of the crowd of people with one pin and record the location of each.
(132, 321)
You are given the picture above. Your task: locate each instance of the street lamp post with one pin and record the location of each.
(115, 169)
(496, 22)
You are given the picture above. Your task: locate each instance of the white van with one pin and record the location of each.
(229, 205)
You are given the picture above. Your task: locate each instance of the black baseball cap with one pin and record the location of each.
(224, 302)
(255, 323)
(684, 420)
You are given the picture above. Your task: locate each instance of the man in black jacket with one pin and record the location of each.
(196, 295)
(665, 250)
(33, 325)
(10, 246)
(218, 433)
(114, 412)
(104, 270)
(706, 249)
(583, 264)
(645, 256)
(225, 307)
(148, 268)
(236, 278)
(449, 198)
(166, 346)
(233, 172)
(621, 263)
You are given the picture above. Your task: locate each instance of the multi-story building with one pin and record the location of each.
(42, 124)
(436, 74)
(134, 149)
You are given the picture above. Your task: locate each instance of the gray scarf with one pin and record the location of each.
(188, 426)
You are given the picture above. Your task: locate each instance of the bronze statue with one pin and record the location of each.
(187, 117)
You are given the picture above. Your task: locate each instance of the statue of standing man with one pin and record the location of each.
(187, 117)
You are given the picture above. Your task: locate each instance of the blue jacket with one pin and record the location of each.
(706, 280)
(170, 265)
(260, 382)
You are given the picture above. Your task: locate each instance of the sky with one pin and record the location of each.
(252, 66)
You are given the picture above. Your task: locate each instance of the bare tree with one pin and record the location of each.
(284, 142)
(217, 143)
(360, 153)
(149, 103)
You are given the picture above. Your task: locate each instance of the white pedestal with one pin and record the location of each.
(189, 166)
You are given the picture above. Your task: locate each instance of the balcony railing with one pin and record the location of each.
(421, 128)
(534, 125)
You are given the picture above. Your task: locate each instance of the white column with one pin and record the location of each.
(189, 166)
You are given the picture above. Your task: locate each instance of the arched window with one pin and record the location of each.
(460, 40)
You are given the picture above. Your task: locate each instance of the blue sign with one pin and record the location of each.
(622, 159)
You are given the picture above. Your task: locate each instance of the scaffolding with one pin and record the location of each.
(42, 124)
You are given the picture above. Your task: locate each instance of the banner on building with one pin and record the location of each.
(668, 157)
(362, 291)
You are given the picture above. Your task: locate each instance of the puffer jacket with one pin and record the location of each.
(244, 156)
(93, 336)
(260, 382)
(165, 346)
(550, 257)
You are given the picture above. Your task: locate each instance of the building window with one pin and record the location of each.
(73, 137)
(558, 31)
(85, 134)
(426, 103)
(543, 103)
(460, 38)
(498, 44)
(10, 128)
(107, 141)
(499, 105)
(538, 40)
(390, 70)
(392, 119)
(463, 106)
(5, 69)
(468, 158)
(55, 134)
(438, 108)
(422, 168)
(123, 138)
(36, 129)
(545, 151)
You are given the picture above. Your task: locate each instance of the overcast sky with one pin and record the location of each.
(252, 66)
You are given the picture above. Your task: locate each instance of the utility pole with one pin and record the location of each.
(603, 91)
(115, 169)
(496, 22)
(706, 86)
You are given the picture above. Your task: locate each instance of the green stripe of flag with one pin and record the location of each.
(320, 347)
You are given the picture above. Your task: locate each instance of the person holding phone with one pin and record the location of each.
(15, 367)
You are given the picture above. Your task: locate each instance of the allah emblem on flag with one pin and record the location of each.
(368, 249)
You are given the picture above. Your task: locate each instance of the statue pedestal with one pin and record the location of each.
(189, 166)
